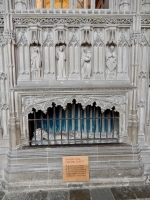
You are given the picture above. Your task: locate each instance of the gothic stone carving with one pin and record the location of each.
(86, 63)
(44, 102)
(61, 67)
(111, 62)
(74, 52)
(36, 63)
(70, 20)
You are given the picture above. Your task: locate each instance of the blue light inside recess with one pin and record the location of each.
(96, 123)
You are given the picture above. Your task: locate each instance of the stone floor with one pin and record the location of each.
(125, 193)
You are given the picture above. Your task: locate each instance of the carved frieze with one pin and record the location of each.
(71, 20)
(44, 102)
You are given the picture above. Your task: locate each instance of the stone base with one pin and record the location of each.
(109, 164)
(5, 141)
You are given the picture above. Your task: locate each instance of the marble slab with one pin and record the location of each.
(123, 193)
(101, 194)
(80, 194)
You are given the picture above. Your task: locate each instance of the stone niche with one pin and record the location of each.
(74, 52)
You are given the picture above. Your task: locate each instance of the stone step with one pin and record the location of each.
(72, 151)
(56, 159)
(92, 164)
(58, 185)
(47, 174)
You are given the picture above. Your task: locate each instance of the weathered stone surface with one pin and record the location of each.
(58, 195)
(80, 195)
(40, 195)
(123, 193)
(15, 196)
(2, 193)
(101, 194)
(141, 191)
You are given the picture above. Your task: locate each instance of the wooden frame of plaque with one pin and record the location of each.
(75, 168)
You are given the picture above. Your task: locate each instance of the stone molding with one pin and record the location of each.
(71, 20)
(44, 102)
(101, 89)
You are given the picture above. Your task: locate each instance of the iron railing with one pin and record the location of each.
(73, 126)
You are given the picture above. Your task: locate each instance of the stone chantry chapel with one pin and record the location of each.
(74, 81)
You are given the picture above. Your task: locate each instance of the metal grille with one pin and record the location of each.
(73, 126)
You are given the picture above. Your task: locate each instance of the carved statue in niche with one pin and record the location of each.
(86, 63)
(36, 63)
(61, 62)
(111, 62)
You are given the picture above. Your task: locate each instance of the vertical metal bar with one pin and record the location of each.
(113, 123)
(54, 119)
(101, 124)
(60, 121)
(41, 127)
(74, 122)
(81, 121)
(106, 126)
(94, 121)
(84, 117)
(91, 120)
(48, 124)
(87, 112)
(67, 123)
(29, 131)
(35, 126)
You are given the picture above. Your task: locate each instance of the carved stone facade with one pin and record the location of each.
(94, 56)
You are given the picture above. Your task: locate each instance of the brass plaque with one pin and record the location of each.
(75, 168)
